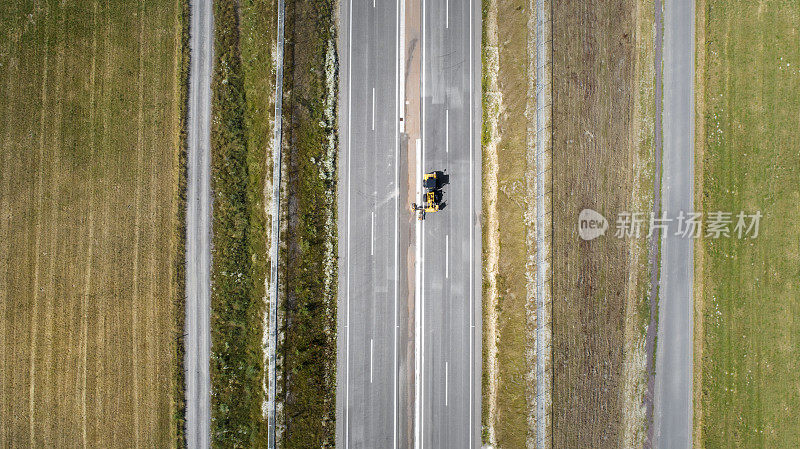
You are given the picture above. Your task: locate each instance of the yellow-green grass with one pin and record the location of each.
(308, 254)
(750, 296)
(89, 223)
(513, 335)
(257, 25)
(240, 138)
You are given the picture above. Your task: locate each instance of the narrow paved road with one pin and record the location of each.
(197, 340)
(451, 293)
(673, 389)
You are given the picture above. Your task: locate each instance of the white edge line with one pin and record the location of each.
(372, 237)
(417, 305)
(447, 130)
(401, 6)
(347, 296)
(447, 256)
(471, 228)
(399, 52)
(421, 242)
(446, 372)
(370, 360)
(373, 109)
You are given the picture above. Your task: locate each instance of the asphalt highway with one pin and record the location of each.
(372, 396)
(408, 341)
(198, 229)
(451, 344)
(673, 389)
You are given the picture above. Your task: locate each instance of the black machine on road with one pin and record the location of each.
(433, 198)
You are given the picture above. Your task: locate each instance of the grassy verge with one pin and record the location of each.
(699, 259)
(258, 46)
(309, 240)
(750, 385)
(239, 242)
(487, 230)
(179, 417)
(508, 403)
(491, 104)
(89, 169)
(641, 301)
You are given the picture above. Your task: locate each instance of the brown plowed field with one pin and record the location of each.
(602, 159)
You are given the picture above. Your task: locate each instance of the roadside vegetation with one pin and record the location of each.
(308, 240)
(240, 135)
(242, 127)
(180, 259)
(90, 163)
(509, 347)
(748, 297)
(258, 47)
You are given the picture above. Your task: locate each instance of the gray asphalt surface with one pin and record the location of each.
(375, 395)
(673, 389)
(374, 222)
(197, 340)
(451, 342)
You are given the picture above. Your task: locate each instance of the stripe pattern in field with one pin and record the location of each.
(88, 207)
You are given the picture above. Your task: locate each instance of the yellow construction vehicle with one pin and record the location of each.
(433, 183)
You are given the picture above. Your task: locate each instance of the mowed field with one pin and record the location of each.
(748, 299)
(89, 171)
